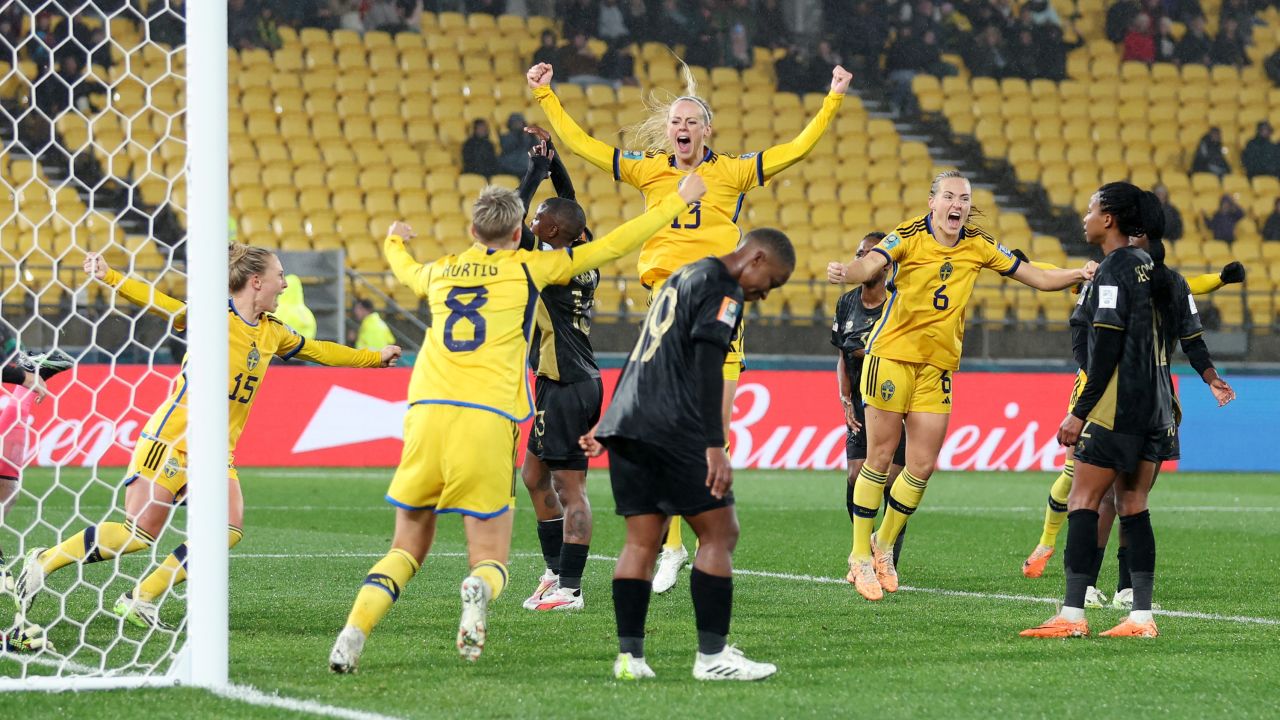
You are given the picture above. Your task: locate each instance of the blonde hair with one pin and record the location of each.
(945, 175)
(496, 213)
(650, 134)
(245, 261)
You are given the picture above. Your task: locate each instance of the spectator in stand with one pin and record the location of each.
(1271, 229)
(515, 144)
(986, 57)
(861, 34)
(168, 27)
(1120, 19)
(1140, 42)
(478, 155)
(242, 26)
(675, 22)
(705, 40)
(269, 29)
(1172, 218)
(1195, 45)
(373, 333)
(901, 63)
(547, 52)
(637, 19)
(738, 53)
(611, 23)
(577, 16)
(1240, 12)
(1184, 10)
(1261, 156)
(923, 17)
(1042, 13)
(292, 309)
(1228, 48)
(385, 15)
(1222, 224)
(953, 28)
(796, 71)
(769, 15)
(581, 66)
(1210, 156)
(1166, 45)
(1053, 49)
(485, 7)
(1272, 67)
(1024, 56)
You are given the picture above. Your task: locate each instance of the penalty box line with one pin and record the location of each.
(792, 577)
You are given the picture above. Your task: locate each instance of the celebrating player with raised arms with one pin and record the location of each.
(668, 458)
(673, 142)
(934, 261)
(157, 474)
(468, 393)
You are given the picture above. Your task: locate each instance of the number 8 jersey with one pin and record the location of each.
(929, 288)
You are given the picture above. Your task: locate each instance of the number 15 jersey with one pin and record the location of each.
(929, 288)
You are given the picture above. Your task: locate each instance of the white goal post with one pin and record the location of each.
(197, 653)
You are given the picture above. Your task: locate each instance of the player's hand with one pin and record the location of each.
(390, 355)
(401, 229)
(95, 265)
(539, 75)
(35, 384)
(1089, 269)
(1069, 430)
(840, 79)
(590, 444)
(1222, 392)
(692, 188)
(719, 472)
(539, 132)
(851, 419)
(543, 151)
(836, 273)
(1232, 273)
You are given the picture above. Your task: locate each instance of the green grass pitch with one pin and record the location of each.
(945, 646)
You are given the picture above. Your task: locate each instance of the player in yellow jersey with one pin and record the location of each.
(1056, 511)
(674, 142)
(934, 261)
(157, 476)
(468, 392)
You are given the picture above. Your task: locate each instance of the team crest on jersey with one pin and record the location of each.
(944, 272)
(848, 325)
(632, 155)
(891, 241)
(253, 358)
(886, 390)
(171, 468)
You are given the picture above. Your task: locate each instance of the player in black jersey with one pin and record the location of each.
(567, 391)
(666, 448)
(1122, 425)
(857, 311)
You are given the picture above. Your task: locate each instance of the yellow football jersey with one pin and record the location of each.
(706, 228)
(929, 288)
(482, 305)
(251, 345)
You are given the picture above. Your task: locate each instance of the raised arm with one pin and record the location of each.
(780, 157)
(411, 273)
(570, 133)
(859, 271)
(335, 355)
(1058, 279)
(136, 292)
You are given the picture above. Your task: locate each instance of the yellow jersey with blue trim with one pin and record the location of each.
(929, 288)
(482, 303)
(251, 345)
(705, 228)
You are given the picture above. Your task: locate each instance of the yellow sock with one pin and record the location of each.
(1056, 511)
(867, 491)
(96, 543)
(173, 571)
(381, 588)
(674, 539)
(904, 498)
(494, 574)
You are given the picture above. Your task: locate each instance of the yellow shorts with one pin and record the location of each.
(1076, 389)
(734, 362)
(456, 460)
(904, 387)
(165, 466)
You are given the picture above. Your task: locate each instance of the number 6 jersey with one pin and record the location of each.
(929, 288)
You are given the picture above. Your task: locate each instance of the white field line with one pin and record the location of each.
(800, 578)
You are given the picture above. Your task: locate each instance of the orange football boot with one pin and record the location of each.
(1033, 567)
(1058, 627)
(1130, 628)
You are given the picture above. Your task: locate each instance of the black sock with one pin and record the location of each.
(573, 558)
(1123, 581)
(551, 537)
(1096, 568)
(1077, 560)
(897, 545)
(712, 608)
(1141, 556)
(848, 500)
(630, 607)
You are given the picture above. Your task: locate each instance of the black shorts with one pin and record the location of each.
(855, 443)
(564, 412)
(652, 480)
(1101, 447)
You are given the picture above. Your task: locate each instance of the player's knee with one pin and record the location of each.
(534, 479)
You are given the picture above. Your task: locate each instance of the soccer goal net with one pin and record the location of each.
(101, 100)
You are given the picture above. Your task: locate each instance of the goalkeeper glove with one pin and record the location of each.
(1232, 273)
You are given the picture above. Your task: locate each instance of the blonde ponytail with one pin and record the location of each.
(650, 134)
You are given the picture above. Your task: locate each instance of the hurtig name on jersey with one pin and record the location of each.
(470, 270)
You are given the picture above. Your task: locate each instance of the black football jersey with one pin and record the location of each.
(849, 333)
(560, 348)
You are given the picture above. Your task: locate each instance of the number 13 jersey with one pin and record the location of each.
(929, 288)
